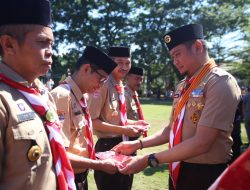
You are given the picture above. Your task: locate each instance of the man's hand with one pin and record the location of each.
(127, 147)
(131, 131)
(141, 122)
(133, 165)
(108, 166)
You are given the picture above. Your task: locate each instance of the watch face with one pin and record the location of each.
(152, 161)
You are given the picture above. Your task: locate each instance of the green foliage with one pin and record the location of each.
(141, 25)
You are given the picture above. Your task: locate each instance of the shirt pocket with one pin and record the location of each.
(28, 134)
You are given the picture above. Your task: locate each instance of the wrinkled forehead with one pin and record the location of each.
(42, 32)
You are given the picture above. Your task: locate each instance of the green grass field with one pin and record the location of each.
(156, 113)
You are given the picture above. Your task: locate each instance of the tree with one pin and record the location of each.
(141, 25)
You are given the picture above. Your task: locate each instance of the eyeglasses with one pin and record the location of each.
(102, 79)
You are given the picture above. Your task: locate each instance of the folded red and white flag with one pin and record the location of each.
(236, 176)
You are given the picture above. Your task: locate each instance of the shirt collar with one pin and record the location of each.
(75, 89)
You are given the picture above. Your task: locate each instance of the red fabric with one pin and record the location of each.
(140, 113)
(118, 158)
(88, 129)
(65, 175)
(174, 167)
(237, 176)
(122, 107)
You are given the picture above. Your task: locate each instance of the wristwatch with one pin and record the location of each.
(152, 160)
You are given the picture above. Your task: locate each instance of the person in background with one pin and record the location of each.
(108, 113)
(91, 72)
(236, 133)
(49, 84)
(134, 81)
(32, 153)
(246, 112)
(201, 121)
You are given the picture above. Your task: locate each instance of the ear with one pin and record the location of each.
(86, 68)
(197, 46)
(8, 44)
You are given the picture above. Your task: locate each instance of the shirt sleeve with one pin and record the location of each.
(3, 124)
(221, 100)
(62, 101)
(96, 103)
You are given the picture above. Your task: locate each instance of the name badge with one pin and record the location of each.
(26, 116)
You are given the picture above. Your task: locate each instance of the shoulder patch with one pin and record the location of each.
(220, 72)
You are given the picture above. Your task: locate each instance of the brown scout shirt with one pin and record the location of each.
(212, 104)
(105, 106)
(20, 125)
(132, 111)
(72, 118)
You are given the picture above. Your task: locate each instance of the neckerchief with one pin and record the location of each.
(140, 113)
(88, 124)
(64, 172)
(122, 107)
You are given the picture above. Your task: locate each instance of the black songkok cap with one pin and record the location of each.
(96, 57)
(119, 52)
(136, 71)
(183, 34)
(25, 12)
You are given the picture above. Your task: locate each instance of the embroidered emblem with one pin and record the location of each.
(195, 117)
(167, 39)
(21, 106)
(193, 103)
(200, 106)
(197, 93)
(177, 95)
(61, 115)
(50, 116)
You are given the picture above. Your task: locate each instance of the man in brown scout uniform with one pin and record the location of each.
(109, 118)
(30, 140)
(91, 71)
(201, 121)
(134, 81)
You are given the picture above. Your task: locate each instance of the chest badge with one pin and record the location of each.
(195, 117)
(50, 116)
(193, 103)
(34, 153)
(197, 93)
(200, 106)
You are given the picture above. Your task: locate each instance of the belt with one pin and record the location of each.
(111, 139)
(80, 177)
(199, 165)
